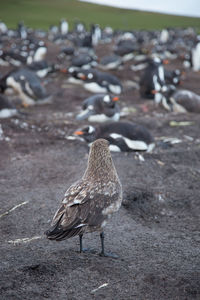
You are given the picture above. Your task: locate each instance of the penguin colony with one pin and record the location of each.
(26, 71)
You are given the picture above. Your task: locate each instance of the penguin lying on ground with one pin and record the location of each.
(100, 108)
(102, 82)
(27, 85)
(179, 100)
(7, 110)
(94, 80)
(122, 136)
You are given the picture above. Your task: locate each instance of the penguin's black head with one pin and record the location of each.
(154, 61)
(110, 101)
(89, 76)
(168, 90)
(87, 133)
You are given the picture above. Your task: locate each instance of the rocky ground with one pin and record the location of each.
(155, 233)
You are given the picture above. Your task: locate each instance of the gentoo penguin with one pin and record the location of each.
(195, 57)
(76, 75)
(96, 34)
(94, 80)
(53, 32)
(67, 51)
(11, 58)
(3, 28)
(53, 29)
(110, 62)
(172, 77)
(89, 202)
(84, 61)
(22, 31)
(100, 108)
(7, 110)
(102, 82)
(107, 34)
(164, 36)
(180, 100)
(125, 48)
(27, 85)
(187, 60)
(83, 40)
(79, 27)
(42, 68)
(152, 79)
(64, 27)
(39, 54)
(191, 59)
(122, 136)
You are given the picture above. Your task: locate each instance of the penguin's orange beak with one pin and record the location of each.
(115, 98)
(79, 132)
(63, 70)
(154, 92)
(165, 61)
(82, 76)
(25, 105)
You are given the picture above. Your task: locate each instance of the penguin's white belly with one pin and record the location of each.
(94, 88)
(7, 113)
(132, 144)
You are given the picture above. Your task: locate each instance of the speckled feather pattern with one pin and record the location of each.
(88, 203)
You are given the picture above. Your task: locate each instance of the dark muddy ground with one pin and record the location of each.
(155, 233)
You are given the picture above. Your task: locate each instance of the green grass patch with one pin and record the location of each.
(43, 13)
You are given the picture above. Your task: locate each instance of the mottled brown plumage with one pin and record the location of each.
(88, 203)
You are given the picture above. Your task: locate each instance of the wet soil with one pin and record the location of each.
(156, 231)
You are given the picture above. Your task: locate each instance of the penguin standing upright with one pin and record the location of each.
(40, 52)
(22, 30)
(96, 34)
(164, 36)
(64, 27)
(153, 79)
(195, 57)
(3, 28)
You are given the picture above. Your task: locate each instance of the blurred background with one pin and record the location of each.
(41, 14)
